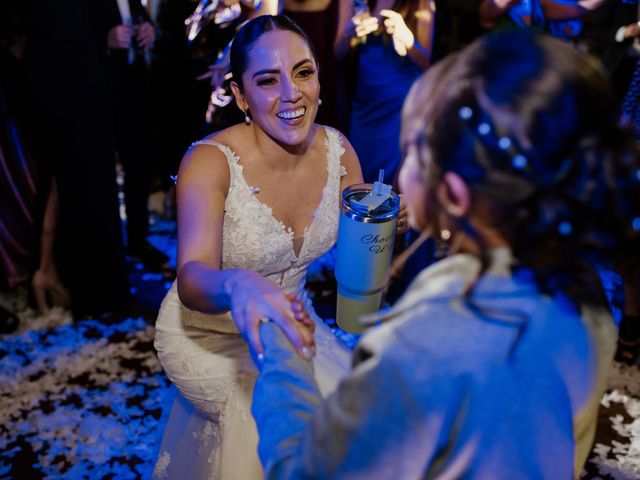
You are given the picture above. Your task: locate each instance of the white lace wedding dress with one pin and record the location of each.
(205, 357)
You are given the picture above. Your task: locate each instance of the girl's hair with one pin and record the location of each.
(532, 127)
(249, 34)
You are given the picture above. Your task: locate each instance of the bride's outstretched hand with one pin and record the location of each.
(256, 299)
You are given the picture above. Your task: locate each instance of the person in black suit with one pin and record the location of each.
(611, 32)
(126, 35)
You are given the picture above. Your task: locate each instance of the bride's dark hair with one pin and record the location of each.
(532, 127)
(250, 33)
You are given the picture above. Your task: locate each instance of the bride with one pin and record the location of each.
(257, 203)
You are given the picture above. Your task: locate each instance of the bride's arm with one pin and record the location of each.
(203, 183)
(203, 180)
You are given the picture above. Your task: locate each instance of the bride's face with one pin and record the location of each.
(281, 86)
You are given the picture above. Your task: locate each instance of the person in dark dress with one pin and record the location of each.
(73, 140)
(125, 36)
(611, 32)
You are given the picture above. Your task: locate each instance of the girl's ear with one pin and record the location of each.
(453, 194)
(240, 100)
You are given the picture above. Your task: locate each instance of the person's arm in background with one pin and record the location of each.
(46, 279)
(491, 10)
(417, 46)
(351, 27)
(345, 30)
(568, 9)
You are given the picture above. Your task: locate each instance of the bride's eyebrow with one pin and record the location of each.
(275, 70)
(301, 62)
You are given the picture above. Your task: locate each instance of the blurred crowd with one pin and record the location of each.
(89, 85)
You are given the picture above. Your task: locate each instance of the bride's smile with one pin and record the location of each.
(291, 116)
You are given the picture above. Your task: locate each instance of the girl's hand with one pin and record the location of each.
(403, 38)
(256, 299)
(403, 217)
(300, 312)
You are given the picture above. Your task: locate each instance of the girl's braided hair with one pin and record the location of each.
(532, 127)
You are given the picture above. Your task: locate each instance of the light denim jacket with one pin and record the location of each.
(441, 391)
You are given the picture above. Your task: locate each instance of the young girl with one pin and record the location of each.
(493, 363)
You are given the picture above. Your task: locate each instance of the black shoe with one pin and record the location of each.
(149, 255)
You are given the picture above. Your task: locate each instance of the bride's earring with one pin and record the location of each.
(319, 101)
(247, 119)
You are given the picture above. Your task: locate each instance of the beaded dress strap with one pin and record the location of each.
(230, 154)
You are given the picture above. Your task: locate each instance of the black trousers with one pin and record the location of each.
(74, 141)
(129, 85)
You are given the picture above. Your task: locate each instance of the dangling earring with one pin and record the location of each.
(319, 101)
(453, 242)
(247, 119)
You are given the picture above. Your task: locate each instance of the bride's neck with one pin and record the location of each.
(280, 156)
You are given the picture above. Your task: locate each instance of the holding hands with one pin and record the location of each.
(263, 302)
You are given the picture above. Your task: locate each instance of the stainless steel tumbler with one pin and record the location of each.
(366, 235)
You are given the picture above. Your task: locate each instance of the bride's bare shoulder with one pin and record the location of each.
(232, 136)
(206, 162)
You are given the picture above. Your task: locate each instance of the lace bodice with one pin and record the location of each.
(253, 239)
